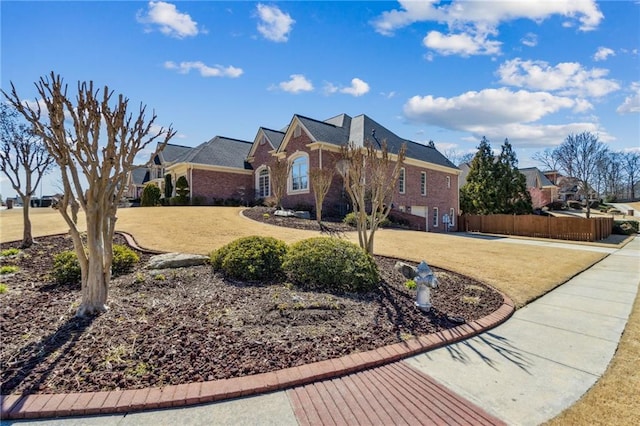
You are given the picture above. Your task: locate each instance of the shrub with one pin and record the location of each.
(350, 219)
(330, 264)
(10, 252)
(150, 196)
(625, 227)
(250, 258)
(66, 268)
(123, 259)
(182, 190)
(232, 202)
(3, 288)
(8, 269)
(198, 200)
(575, 205)
(557, 205)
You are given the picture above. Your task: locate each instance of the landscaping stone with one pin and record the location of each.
(408, 271)
(284, 213)
(176, 260)
(302, 214)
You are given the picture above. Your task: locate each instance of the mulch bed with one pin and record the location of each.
(189, 324)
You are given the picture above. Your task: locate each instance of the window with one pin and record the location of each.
(435, 217)
(264, 183)
(401, 180)
(299, 174)
(423, 183)
(452, 216)
(448, 181)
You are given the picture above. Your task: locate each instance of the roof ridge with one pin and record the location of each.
(317, 121)
(230, 139)
(272, 130)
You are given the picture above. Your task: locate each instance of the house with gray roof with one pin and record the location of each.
(227, 168)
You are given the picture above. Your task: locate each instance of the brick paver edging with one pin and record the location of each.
(123, 401)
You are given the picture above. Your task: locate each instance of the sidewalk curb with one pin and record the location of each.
(125, 401)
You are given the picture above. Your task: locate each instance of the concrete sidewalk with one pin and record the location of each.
(523, 372)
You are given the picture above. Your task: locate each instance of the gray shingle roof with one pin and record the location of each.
(139, 175)
(534, 175)
(219, 151)
(275, 137)
(171, 152)
(325, 132)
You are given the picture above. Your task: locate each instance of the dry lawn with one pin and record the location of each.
(524, 272)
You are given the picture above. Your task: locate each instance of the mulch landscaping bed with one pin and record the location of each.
(186, 325)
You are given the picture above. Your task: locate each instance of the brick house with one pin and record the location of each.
(231, 168)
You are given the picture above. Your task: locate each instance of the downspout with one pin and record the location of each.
(321, 156)
(192, 184)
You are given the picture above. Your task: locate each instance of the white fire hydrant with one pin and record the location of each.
(425, 281)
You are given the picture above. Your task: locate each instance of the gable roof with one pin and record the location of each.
(219, 151)
(171, 153)
(139, 175)
(535, 178)
(321, 131)
(274, 137)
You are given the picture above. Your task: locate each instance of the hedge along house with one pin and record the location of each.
(428, 184)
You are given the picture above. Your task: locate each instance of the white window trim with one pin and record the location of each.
(293, 158)
(435, 219)
(257, 178)
(449, 182)
(452, 217)
(423, 184)
(402, 178)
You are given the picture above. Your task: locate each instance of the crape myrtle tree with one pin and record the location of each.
(321, 180)
(494, 184)
(279, 173)
(97, 140)
(22, 156)
(370, 178)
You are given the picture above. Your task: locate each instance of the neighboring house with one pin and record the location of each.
(162, 161)
(567, 186)
(232, 168)
(136, 180)
(536, 180)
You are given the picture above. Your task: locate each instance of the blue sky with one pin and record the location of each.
(451, 72)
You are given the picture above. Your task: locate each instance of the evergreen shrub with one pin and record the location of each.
(66, 268)
(252, 258)
(330, 264)
(625, 227)
(150, 196)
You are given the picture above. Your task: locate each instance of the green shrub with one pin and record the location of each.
(350, 219)
(198, 200)
(625, 227)
(123, 259)
(410, 284)
(8, 269)
(182, 191)
(150, 196)
(250, 258)
(66, 268)
(9, 252)
(330, 264)
(3, 288)
(575, 205)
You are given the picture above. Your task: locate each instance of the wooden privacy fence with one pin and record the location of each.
(562, 228)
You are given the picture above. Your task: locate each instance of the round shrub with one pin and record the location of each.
(330, 264)
(250, 258)
(66, 268)
(123, 259)
(150, 196)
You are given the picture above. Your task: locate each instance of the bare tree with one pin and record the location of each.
(579, 157)
(279, 175)
(370, 175)
(631, 166)
(547, 158)
(458, 157)
(321, 180)
(73, 136)
(22, 154)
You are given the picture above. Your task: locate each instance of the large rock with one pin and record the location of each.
(284, 213)
(408, 271)
(302, 214)
(176, 260)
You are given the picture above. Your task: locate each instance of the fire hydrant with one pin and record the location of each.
(425, 281)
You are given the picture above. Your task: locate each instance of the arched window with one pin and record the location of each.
(299, 178)
(263, 183)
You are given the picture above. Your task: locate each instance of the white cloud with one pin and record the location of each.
(486, 107)
(502, 113)
(296, 84)
(481, 14)
(530, 39)
(463, 44)
(603, 53)
(170, 21)
(358, 88)
(274, 25)
(567, 78)
(470, 23)
(204, 70)
(631, 103)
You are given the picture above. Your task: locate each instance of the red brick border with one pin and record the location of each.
(121, 401)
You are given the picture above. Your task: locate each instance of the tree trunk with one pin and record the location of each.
(27, 238)
(96, 280)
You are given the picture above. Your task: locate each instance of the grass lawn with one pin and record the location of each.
(521, 271)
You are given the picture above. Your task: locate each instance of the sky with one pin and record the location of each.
(448, 71)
